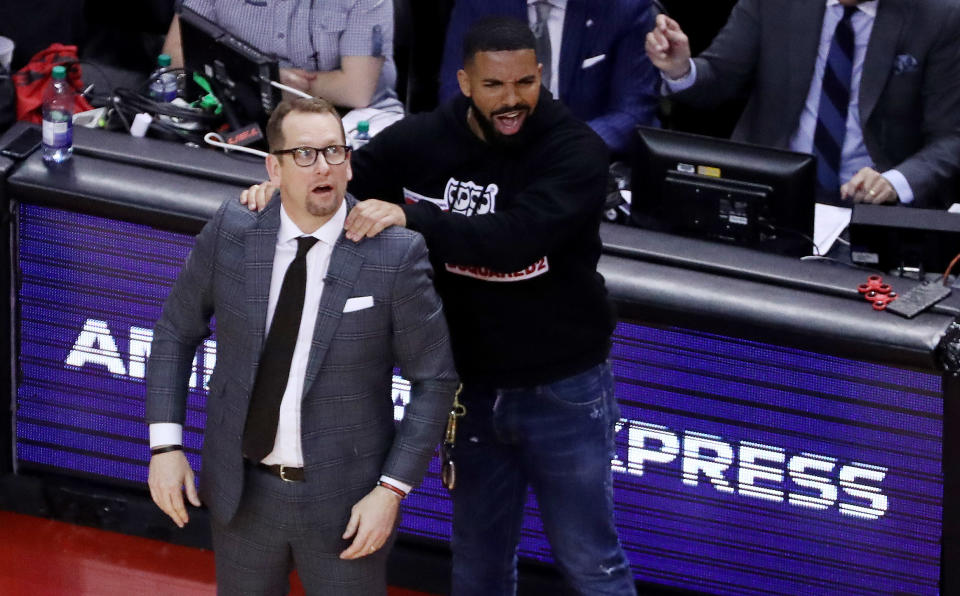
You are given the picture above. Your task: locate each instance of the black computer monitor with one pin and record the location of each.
(725, 190)
(239, 73)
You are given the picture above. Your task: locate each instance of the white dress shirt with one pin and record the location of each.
(854, 155)
(558, 11)
(287, 449)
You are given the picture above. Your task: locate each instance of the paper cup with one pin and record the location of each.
(6, 51)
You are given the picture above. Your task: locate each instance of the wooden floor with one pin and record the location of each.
(40, 556)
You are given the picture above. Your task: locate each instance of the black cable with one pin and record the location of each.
(838, 262)
(101, 72)
(141, 97)
(120, 108)
(127, 104)
(113, 100)
(139, 103)
(776, 229)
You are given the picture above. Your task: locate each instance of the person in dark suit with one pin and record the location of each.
(301, 460)
(896, 136)
(596, 66)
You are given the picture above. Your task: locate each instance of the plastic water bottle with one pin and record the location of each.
(163, 85)
(58, 104)
(362, 136)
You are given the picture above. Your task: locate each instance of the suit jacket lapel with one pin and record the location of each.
(345, 262)
(803, 27)
(891, 17)
(574, 29)
(259, 246)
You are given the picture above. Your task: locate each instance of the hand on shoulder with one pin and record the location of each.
(257, 196)
(369, 218)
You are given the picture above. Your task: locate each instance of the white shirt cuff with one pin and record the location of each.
(670, 86)
(899, 184)
(165, 433)
(393, 482)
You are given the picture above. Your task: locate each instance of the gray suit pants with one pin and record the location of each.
(278, 528)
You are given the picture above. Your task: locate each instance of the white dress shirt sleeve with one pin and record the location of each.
(394, 482)
(165, 433)
(670, 86)
(899, 183)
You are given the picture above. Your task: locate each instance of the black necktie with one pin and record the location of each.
(264, 412)
(834, 101)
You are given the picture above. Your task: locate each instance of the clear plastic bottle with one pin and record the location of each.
(362, 136)
(163, 84)
(58, 105)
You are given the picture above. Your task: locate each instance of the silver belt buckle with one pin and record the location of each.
(283, 474)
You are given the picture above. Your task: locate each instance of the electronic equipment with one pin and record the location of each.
(239, 73)
(888, 237)
(720, 189)
(22, 145)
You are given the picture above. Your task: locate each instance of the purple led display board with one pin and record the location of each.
(741, 467)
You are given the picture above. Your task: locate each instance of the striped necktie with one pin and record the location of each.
(541, 33)
(834, 101)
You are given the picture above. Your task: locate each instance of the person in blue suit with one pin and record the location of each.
(599, 68)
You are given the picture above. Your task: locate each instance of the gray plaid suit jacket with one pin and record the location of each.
(348, 433)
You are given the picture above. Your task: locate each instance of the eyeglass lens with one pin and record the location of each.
(307, 156)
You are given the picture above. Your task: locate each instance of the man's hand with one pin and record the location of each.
(297, 78)
(257, 196)
(668, 48)
(170, 474)
(371, 523)
(369, 218)
(868, 186)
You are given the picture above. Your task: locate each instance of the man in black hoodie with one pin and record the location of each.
(507, 188)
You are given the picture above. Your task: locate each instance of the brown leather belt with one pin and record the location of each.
(283, 472)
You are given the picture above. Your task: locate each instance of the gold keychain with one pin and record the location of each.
(448, 474)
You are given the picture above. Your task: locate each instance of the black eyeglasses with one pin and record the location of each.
(307, 156)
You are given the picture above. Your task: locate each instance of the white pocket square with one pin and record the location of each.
(591, 61)
(358, 303)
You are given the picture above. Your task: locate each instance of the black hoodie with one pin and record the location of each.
(513, 233)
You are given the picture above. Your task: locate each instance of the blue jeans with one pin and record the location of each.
(558, 438)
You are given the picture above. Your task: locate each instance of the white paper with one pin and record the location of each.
(829, 221)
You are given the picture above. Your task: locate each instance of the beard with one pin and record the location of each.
(323, 207)
(490, 132)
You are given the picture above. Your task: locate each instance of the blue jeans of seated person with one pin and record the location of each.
(558, 438)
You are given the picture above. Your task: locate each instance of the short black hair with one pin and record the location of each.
(497, 34)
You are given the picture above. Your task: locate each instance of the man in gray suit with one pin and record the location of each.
(902, 125)
(301, 461)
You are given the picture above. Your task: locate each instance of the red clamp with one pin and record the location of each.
(877, 292)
